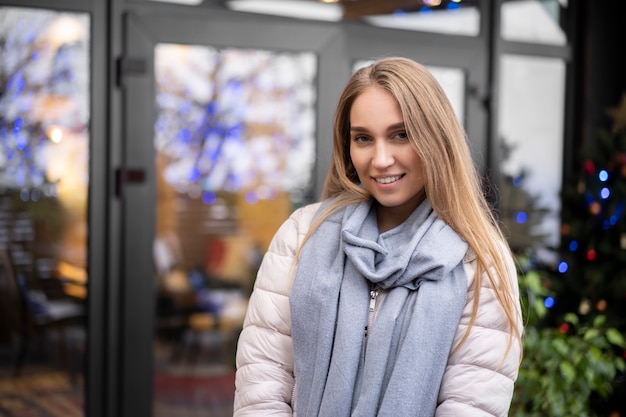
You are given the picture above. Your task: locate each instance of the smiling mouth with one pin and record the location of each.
(388, 180)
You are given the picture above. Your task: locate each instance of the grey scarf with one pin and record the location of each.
(399, 371)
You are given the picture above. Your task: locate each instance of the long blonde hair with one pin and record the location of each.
(452, 184)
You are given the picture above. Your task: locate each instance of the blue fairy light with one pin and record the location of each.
(235, 131)
(28, 152)
(211, 107)
(17, 125)
(236, 87)
(453, 6)
(605, 225)
(184, 135)
(518, 181)
(573, 245)
(605, 193)
(613, 220)
(209, 197)
(563, 267)
(20, 142)
(603, 175)
(194, 174)
(16, 83)
(24, 194)
(426, 10)
(35, 194)
(548, 302)
(521, 217)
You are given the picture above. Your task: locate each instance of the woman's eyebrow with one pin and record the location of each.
(394, 126)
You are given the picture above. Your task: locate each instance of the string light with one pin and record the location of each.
(605, 193)
(209, 197)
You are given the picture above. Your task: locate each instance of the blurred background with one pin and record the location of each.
(151, 149)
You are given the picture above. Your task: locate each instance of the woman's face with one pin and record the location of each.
(386, 163)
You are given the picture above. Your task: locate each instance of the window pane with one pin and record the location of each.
(531, 128)
(44, 141)
(537, 21)
(448, 17)
(235, 141)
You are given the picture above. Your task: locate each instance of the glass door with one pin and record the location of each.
(44, 181)
(235, 147)
(228, 127)
(222, 121)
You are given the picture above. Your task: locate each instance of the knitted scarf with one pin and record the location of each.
(398, 370)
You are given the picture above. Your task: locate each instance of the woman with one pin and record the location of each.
(397, 294)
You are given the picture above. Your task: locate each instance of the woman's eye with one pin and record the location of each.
(401, 136)
(360, 138)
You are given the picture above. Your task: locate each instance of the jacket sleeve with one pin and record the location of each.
(479, 377)
(264, 378)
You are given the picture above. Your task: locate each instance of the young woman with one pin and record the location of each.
(397, 294)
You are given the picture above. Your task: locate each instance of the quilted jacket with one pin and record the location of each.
(478, 380)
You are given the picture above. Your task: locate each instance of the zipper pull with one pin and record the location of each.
(373, 295)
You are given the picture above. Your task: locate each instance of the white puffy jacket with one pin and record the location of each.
(477, 380)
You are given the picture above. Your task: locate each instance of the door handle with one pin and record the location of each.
(125, 176)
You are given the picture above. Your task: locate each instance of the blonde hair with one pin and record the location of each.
(452, 184)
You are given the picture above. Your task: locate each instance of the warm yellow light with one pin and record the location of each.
(432, 2)
(55, 134)
(329, 1)
(65, 30)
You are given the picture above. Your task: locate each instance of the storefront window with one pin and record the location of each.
(537, 21)
(530, 122)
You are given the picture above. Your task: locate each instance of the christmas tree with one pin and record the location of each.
(580, 332)
(575, 304)
(590, 278)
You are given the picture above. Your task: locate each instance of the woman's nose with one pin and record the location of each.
(383, 155)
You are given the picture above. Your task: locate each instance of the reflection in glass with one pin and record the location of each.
(44, 142)
(235, 141)
(454, 17)
(538, 21)
(531, 128)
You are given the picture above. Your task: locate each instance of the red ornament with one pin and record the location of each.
(589, 166)
(591, 255)
(564, 328)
